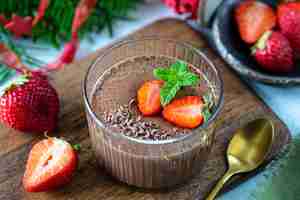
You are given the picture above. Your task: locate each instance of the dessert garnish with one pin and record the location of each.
(186, 112)
(175, 77)
(149, 98)
(137, 127)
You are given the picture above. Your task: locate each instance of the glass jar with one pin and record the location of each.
(145, 163)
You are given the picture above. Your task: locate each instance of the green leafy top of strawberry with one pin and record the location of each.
(176, 76)
(13, 83)
(76, 147)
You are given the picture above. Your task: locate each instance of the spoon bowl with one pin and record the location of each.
(250, 145)
(247, 150)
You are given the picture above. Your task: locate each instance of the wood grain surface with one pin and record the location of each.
(92, 182)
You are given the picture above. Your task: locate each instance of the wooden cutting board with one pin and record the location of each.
(90, 181)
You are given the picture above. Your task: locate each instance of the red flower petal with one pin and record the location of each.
(9, 58)
(69, 52)
(20, 26)
(189, 6)
(3, 20)
(41, 11)
(66, 57)
(82, 12)
(174, 4)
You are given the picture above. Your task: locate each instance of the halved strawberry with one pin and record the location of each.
(253, 19)
(185, 112)
(148, 97)
(50, 164)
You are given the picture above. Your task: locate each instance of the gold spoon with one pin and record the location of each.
(247, 150)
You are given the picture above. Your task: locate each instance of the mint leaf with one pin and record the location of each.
(189, 79)
(179, 67)
(163, 74)
(175, 77)
(168, 92)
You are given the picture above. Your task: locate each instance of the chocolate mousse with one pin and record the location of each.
(144, 151)
(114, 100)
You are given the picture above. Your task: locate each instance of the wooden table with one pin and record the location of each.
(92, 182)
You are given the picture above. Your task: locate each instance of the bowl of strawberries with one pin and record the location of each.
(260, 39)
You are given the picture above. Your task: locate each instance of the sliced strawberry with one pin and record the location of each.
(148, 97)
(185, 112)
(253, 19)
(50, 164)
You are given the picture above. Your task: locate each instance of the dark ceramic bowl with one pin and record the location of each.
(225, 39)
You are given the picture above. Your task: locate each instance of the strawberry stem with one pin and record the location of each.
(261, 43)
(77, 147)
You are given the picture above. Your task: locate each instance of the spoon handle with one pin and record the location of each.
(220, 185)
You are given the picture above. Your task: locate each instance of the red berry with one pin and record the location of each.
(148, 97)
(253, 19)
(51, 163)
(185, 112)
(274, 53)
(289, 23)
(30, 106)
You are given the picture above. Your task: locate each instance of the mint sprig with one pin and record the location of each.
(175, 77)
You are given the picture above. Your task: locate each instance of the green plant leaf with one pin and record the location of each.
(175, 77)
(168, 92)
(163, 74)
(76, 147)
(179, 67)
(189, 79)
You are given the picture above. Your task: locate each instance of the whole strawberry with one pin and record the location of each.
(289, 23)
(253, 19)
(273, 52)
(30, 103)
